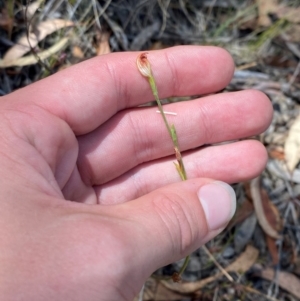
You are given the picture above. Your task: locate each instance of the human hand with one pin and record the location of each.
(90, 201)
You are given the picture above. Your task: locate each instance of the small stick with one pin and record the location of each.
(168, 113)
(224, 272)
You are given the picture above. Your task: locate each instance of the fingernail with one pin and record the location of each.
(219, 202)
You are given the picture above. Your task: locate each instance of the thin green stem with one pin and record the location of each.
(144, 67)
(171, 129)
(186, 261)
(155, 94)
(179, 166)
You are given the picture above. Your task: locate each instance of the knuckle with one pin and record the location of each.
(171, 66)
(176, 220)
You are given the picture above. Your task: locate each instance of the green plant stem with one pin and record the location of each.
(155, 94)
(145, 69)
(179, 166)
(171, 129)
(186, 261)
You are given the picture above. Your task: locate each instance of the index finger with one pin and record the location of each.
(88, 94)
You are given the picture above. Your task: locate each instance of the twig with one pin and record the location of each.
(211, 257)
(167, 113)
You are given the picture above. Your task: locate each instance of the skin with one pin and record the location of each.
(91, 203)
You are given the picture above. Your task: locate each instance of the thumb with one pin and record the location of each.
(175, 220)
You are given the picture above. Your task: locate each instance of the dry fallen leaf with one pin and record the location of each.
(241, 265)
(265, 7)
(273, 249)
(102, 46)
(276, 153)
(242, 212)
(296, 269)
(32, 8)
(244, 232)
(273, 217)
(292, 34)
(271, 212)
(77, 52)
(285, 280)
(259, 197)
(32, 59)
(292, 145)
(42, 30)
(291, 14)
(6, 22)
(158, 45)
(155, 291)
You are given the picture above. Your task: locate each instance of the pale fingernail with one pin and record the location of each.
(219, 203)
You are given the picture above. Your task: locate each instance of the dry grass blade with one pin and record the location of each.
(25, 44)
(242, 264)
(33, 59)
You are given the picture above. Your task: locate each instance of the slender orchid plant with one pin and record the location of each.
(144, 67)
